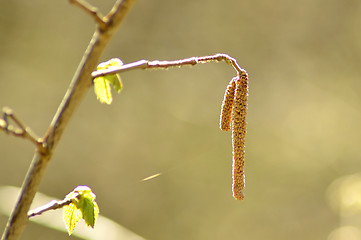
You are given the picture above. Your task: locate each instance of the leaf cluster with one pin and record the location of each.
(82, 205)
(102, 84)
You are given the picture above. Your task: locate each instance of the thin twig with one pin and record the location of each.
(93, 11)
(21, 130)
(145, 64)
(77, 89)
(53, 205)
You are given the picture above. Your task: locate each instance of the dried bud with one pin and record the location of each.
(238, 134)
(227, 105)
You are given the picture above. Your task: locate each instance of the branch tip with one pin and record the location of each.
(21, 130)
(92, 11)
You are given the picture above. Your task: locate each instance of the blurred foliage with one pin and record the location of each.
(303, 59)
(344, 196)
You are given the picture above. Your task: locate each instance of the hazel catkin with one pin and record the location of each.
(227, 106)
(238, 134)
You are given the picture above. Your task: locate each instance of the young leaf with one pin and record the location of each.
(71, 216)
(102, 90)
(115, 81)
(88, 207)
(83, 205)
(102, 83)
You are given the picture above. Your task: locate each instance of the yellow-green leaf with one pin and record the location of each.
(102, 83)
(115, 81)
(71, 216)
(102, 90)
(114, 62)
(83, 205)
(88, 207)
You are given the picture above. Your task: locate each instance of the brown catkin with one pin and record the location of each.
(227, 106)
(238, 134)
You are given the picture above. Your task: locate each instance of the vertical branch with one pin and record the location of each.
(239, 134)
(78, 86)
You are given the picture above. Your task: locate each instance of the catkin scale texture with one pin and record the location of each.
(227, 106)
(238, 135)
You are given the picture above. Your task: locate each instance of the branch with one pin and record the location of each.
(21, 130)
(233, 110)
(93, 11)
(78, 87)
(53, 205)
(145, 64)
(113, 230)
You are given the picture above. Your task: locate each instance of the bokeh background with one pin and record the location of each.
(304, 63)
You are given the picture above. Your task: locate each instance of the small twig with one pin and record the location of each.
(21, 130)
(93, 11)
(53, 205)
(145, 64)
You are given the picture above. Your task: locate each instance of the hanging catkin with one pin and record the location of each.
(227, 106)
(238, 134)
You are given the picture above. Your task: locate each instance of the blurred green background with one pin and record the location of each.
(304, 63)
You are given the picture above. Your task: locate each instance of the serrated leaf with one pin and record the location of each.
(102, 90)
(88, 207)
(71, 216)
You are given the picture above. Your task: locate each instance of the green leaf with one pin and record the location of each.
(88, 207)
(115, 81)
(71, 216)
(102, 83)
(102, 90)
(83, 205)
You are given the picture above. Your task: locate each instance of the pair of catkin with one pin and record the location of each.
(234, 110)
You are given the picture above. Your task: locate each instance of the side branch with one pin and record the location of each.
(93, 11)
(21, 130)
(53, 205)
(145, 64)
